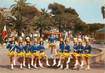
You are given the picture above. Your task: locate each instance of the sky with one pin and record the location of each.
(88, 10)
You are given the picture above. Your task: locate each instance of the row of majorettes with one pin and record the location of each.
(28, 54)
(81, 53)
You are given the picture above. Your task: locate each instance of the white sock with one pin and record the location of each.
(32, 62)
(59, 63)
(54, 62)
(40, 64)
(82, 63)
(21, 66)
(77, 63)
(35, 66)
(29, 66)
(61, 67)
(24, 63)
(68, 61)
(67, 66)
(47, 63)
(88, 67)
(12, 66)
(14, 61)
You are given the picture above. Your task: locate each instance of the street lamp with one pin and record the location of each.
(103, 11)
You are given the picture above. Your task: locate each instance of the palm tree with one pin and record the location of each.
(43, 21)
(16, 10)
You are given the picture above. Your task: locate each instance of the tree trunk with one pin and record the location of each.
(40, 31)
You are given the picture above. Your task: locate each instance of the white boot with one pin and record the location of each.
(32, 62)
(40, 64)
(82, 64)
(59, 63)
(68, 61)
(24, 63)
(12, 66)
(54, 62)
(67, 66)
(88, 67)
(35, 66)
(47, 63)
(76, 64)
(61, 67)
(14, 61)
(29, 66)
(21, 66)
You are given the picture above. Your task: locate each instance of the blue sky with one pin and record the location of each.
(89, 10)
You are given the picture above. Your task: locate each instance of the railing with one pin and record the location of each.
(99, 57)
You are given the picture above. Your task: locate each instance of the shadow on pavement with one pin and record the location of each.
(5, 66)
(100, 65)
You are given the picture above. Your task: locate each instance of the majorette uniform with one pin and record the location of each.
(27, 49)
(12, 52)
(41, 48)
(20, 50)
(52, 40)
(41, 54)
(87, 50)
(62, 46)
(12, 48)
(67, 47)
(35, 54)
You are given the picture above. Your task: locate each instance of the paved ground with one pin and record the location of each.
(4, 67)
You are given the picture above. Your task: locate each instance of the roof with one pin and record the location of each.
(101, 30)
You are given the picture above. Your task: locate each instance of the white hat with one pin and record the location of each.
(27, 38)
(80, 40)
(20, 38)
(10, 39)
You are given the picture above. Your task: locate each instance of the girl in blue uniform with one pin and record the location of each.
(78, 49)
(35, 53)
(87, 52)
(62, 46)
(67, 53)
(21, 52)
(61, 50)
(52, 43)
(42, 54)
(67, 47)
(27, 49)
(12, 51)
(75, 57)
